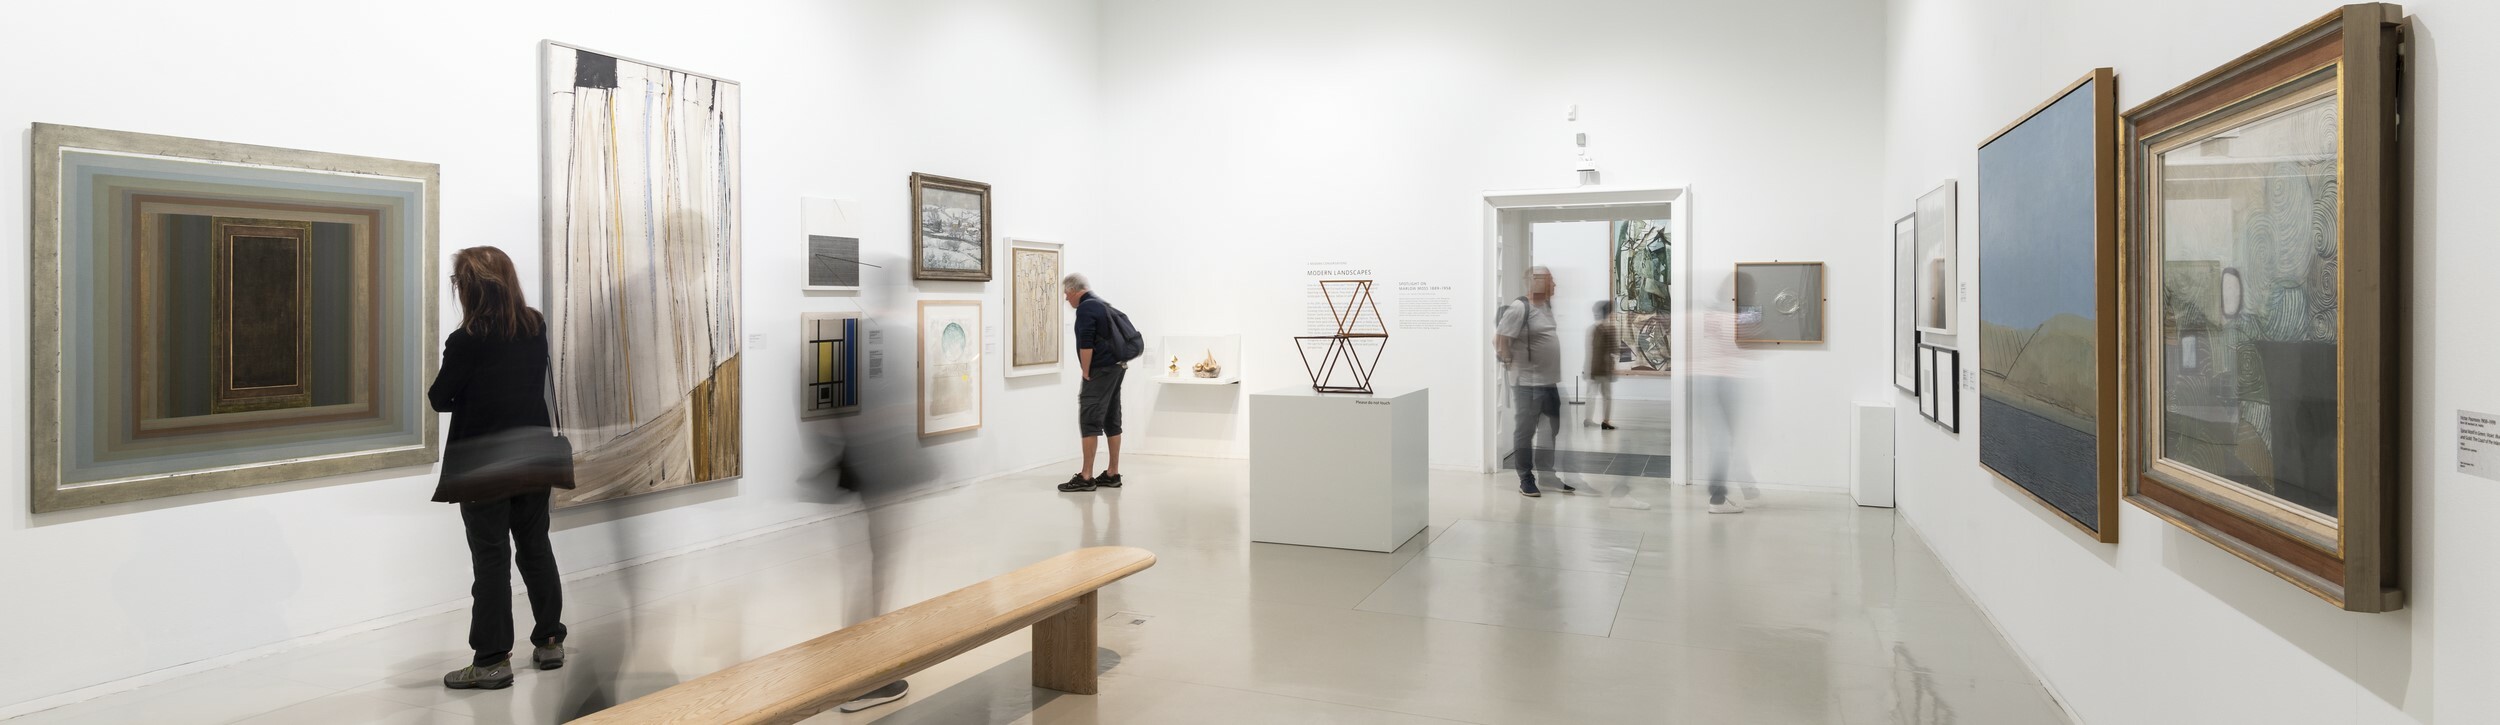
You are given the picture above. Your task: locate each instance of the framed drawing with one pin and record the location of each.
(950, 366)
(832, 245)
(1639, 273)
(951, 239)
(2048, 332)
(829, 344)
(1939, 265)
(2266, 201)
(210, 315)
(1904, 304)
(1779, 302)
(1940, 390)
(642, 288)
(1036, 308)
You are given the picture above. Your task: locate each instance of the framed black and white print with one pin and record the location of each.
(1940, 390)
(1904, 305)
(950, 235)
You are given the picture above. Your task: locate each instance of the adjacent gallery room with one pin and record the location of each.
(1214, 361)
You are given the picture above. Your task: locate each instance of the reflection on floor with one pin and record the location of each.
(1805, 609)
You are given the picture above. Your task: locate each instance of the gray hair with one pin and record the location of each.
(1074, 282)
(1540, 269)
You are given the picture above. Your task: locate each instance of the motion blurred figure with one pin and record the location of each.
(1603, 339)
(1524, 340)
(873, 459)
(1719, 368)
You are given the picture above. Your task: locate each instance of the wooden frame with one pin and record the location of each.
(2102, 85)
(972, 357)
(1045, 305)
(1821, 302)
(1904, 307)
(226, 349)
(920, 228)
(2351, 58)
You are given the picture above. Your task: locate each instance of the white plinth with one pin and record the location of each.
(1870, 454)
(1341, 471)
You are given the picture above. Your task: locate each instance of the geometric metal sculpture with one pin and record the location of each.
(1347, 358)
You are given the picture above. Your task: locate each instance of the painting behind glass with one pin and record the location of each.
(1638, 274)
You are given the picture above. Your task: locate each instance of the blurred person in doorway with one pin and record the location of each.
(500, 464)
(1105, 342)
(1604, 339)
(1719, 368)
(1525, 340)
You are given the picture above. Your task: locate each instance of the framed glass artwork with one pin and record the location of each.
(643, 288)
(832, 245)
(829, 345)
(1779, 302)
(1939, 260)
(950, 237)
(2266, 201)
(1904, 306)
(950, 366)
(1639, 273)
(210, 315)
(1037, 309)
(1940, 390)
(2048, 331)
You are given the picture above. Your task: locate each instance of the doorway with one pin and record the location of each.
(1598, 244)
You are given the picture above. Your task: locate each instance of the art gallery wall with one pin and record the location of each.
(841, 100)
(1250, 139)
(2163, 627)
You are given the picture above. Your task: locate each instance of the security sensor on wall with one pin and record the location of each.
(1587, 165)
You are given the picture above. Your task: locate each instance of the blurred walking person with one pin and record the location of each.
(1604, 338)
(1719, 368)
(1524, 340)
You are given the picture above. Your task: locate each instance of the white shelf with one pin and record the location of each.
(1193, 380)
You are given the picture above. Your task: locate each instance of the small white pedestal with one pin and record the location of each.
(1870, 454)
(1340, 471)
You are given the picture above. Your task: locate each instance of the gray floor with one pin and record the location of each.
(1805, 609)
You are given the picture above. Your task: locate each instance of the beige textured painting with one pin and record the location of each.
(1037, 308)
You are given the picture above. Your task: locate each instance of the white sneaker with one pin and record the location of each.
(1627, 502)
(1752, 493)
(1726, 508)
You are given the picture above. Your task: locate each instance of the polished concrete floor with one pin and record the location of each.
(1805, 609)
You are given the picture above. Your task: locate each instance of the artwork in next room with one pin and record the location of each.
(829, 370)
(950, 236)
(213, 315)
(1780, 302)
(2048, 321)
(642, 272)
(950, 366)
(1638, 273)
(1904, 310)
(1939, 260)
(1036, 308)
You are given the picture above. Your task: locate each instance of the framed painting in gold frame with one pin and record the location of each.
(2265, 218)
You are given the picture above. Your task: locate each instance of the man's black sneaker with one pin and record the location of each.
(1563, 486)
(1077, 484)
(1108, 480)
(1529, 490)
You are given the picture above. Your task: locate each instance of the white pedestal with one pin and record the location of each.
(1870, 454)
(1340, 471)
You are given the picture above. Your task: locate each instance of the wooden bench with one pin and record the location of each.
(1055, 597)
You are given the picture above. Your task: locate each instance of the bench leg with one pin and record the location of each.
(1063, 649)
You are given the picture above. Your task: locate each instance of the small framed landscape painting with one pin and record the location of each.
(950, 235)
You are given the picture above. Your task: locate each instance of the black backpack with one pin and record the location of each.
(1125, 342)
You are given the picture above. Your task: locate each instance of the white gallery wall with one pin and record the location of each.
(2163, 627)
(841, 100)
(1248, 140)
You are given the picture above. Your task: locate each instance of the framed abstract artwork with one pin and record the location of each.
(2048, 304)
(1779, 302)
(1639, 273)
(829, 370)
(1939, 260)
(210, 315)
(2266, 202)
(832, 245)
(950, 237)
(1036, 308)
(1904, 304)
(643, 285)
(1939, 388)
(950, 366)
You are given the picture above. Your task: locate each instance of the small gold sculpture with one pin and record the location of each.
(1208, 368)
(1175, 370)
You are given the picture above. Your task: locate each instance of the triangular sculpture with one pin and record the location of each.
(1347, 359)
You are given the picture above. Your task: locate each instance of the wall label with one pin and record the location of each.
(2478, 444)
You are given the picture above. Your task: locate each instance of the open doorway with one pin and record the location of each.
(1619, 253)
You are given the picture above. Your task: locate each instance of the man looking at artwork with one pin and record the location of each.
(1525, 341)
(1104, 343)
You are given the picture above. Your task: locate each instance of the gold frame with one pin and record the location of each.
(227, 397)
(2108, 305)
(920, 367)
(988, 229)
(1822, 302)
(2360, 48)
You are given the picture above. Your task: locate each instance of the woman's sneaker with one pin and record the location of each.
(491, 677)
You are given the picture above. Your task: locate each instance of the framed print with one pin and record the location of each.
(210, 316)
(829, 370)
(1926, 403)
(1940, 389)
(1639, 274)
(1939, 260)
(1779, 302)
(1904, 305)
(950, 366)
(2048, 330)
(832, 245)
(1037, 310)
(643, 288)
(2266, 205)
(950, 239)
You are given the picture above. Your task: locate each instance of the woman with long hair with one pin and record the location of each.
(500, 462)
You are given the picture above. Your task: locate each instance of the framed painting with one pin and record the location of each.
(1939, 260)
(2048, 332)
(643, 287)
(1779, 302)
(829, 345)
(951, 237)
(950, 366)
(1639, 273)
(211, 315)
(1904, 304)
(1036, 308)
(2266, 202)
(1940, 390)
(832, 245)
